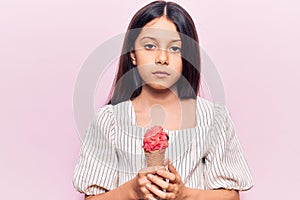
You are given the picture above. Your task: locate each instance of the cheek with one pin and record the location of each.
(144, 72)
(177, 64)
(179, 69)
(144, 58)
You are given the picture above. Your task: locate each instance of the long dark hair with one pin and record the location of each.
(128, 83)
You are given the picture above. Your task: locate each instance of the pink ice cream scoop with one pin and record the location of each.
(155, 139)
(155, 143)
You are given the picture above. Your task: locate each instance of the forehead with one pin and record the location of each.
(160, 28)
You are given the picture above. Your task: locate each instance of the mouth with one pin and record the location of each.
(161, 74)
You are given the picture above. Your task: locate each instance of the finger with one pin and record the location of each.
(159, 182)
(142, 181)
(172, 168)
(145, 191)
(166, 162)
(167, 175)
(159, 193)
(150, 197)
(148, 170)
(174, 171)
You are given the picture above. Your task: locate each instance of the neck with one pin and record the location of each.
(151, 96)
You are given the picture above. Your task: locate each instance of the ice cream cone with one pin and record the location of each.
(155, 143)
(155, 158)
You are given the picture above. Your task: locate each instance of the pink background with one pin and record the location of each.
(254, 44)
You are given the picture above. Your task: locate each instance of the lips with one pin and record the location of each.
(161, 74)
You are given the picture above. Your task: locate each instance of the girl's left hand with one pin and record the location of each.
(173, 190)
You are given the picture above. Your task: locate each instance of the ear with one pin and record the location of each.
(132, 57)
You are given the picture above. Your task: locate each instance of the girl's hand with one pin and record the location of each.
(140, 182)
(173, 190)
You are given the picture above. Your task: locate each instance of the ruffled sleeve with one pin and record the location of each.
(96, 170)
(225, 165)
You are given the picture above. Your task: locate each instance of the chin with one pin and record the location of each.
(161, 87)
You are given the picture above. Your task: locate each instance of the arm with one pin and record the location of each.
(124, 191)
(221, 194)
(175, 189)
(132, 190)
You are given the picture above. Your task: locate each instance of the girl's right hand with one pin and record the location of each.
(140, 182)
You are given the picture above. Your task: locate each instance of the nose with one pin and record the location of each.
(162, 57)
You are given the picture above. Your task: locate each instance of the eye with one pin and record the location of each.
(175, 49)
(149, 46)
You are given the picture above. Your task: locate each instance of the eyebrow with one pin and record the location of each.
(152, 38)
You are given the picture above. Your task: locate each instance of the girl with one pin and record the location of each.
(157, 84)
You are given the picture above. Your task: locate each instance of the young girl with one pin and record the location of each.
(157, 84)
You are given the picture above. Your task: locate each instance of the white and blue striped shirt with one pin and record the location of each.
(208, 156)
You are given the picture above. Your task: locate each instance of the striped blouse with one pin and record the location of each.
(208, 156)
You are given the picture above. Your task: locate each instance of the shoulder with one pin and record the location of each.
(204, 103)
(104, 119)
(208, 110)
(216, 107)
(214, 112)
(109, 109)
(111, 113)
(105, 111)
(221, 125)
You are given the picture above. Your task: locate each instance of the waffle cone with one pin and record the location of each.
(155, 158)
